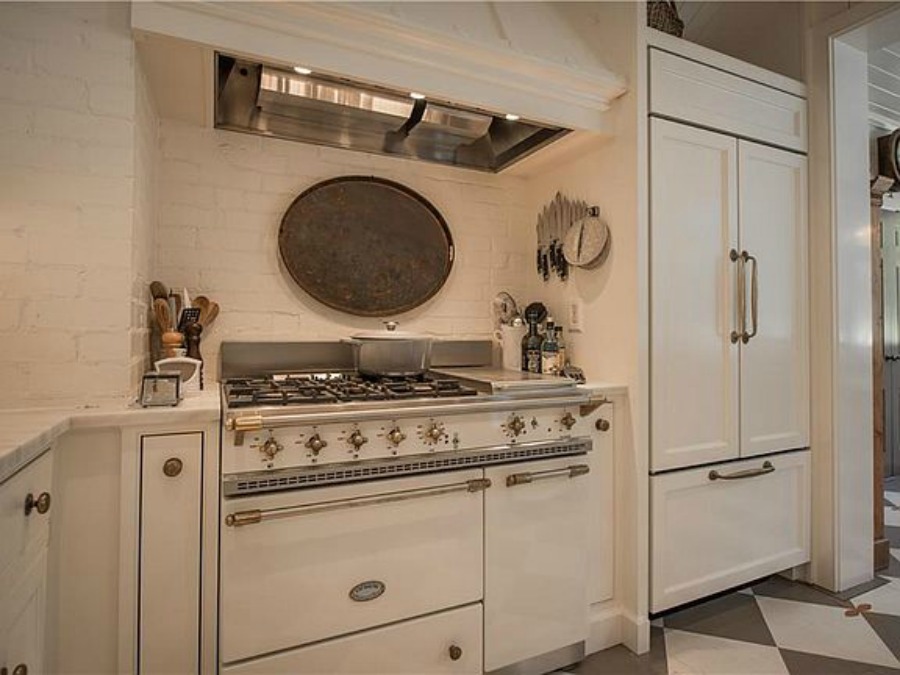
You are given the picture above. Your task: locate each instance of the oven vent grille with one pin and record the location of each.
(292, 479)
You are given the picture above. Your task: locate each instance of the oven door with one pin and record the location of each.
(302, 566)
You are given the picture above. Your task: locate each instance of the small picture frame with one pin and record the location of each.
(160, 389)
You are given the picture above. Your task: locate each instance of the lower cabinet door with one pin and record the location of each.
(536, 550)
(449, 642)
(171, 475)
(719, 526)
(22, 618)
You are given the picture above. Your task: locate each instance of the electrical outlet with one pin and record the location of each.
(576, 316)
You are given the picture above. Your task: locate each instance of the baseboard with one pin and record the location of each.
(609, 625)
(882, 553)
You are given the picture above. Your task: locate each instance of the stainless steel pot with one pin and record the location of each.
(391, 353)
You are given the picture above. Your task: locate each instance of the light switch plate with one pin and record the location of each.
(576, 316)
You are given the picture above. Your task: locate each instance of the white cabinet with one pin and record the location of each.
(601, 510)
(170, 572)
(775, 361)
(535, 559)
(716, 527)
(694, 365)
(695, 92)
(25, 507)
(445, 643)
(729, 352)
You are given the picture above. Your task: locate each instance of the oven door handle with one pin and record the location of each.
(531, 476)
(240, 518)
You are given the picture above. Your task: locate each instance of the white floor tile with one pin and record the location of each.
(695, 654)
(818, 629)
(884, 599)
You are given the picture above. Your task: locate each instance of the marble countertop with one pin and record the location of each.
(27, 433)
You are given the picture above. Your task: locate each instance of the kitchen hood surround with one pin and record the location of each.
(500, 57)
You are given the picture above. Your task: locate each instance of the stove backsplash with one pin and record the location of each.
(221, 198)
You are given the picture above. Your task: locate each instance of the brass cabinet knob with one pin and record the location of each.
(41, 505)
(455, 652)
(516, 425)
(20, 669)
(602, 424)
(172, 467)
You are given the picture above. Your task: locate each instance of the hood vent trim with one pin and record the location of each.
(274, 101)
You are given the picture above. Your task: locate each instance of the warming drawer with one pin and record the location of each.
(719, 526)
(302, 566)
(444, 643)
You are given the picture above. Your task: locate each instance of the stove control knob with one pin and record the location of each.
(568, 420)
(271, 448)
(316, 444)
(357, 440)
(434, 433)
(515, 425)
(395, 436)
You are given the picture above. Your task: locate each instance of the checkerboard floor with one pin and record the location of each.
(777, 627)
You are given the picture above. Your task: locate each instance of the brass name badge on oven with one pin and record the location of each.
(367, 590)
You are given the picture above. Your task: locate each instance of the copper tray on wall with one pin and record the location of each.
(366, 246)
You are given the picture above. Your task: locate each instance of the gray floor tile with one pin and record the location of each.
(893, 535)
(851, 593)
(735, 616)
(801, 663)
(779, 587)
(620, 660)
(892, 570)
(888, 628)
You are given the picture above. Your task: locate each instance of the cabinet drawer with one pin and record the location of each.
(20, 532)
(417, 647)
(690, 91)
(348, 558)
(709, 535)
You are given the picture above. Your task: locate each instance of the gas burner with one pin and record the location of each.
(315, 388)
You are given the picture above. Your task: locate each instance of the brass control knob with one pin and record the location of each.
(316, 444)
(357, 440)
(516, 425)
(395, 436)
(455, 652)
(568, 420)
(41, 504)
(271, 448)
(434, 433)
(602, 424)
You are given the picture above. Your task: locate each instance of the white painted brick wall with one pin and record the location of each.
(67, 182)
(221, 199)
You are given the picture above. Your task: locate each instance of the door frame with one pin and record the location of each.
(842, 428)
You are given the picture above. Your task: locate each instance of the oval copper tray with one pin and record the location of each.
(366, 246)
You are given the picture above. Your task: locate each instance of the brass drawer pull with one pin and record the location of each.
(41, 505)
(531, 476)
(754, 298)
(455, 652)
(746, 473)
(173, 467)
(736, 335)
(258, 515)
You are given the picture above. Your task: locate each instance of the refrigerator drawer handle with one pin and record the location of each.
(254, 516)
(746, 473)
(531, 476)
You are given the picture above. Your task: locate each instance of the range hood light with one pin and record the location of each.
(300, 70)
(416, 95)
(511, 117)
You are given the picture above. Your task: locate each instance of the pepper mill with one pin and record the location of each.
(192, 333)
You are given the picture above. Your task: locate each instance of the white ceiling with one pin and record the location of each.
(884, 86)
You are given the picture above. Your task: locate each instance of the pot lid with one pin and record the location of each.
(390, 332)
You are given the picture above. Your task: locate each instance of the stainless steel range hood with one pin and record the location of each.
(274, 101)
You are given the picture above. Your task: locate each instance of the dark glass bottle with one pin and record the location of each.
(531, 349)
(550, 350)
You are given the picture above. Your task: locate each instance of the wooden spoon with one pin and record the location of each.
(163, 315)
(158, 290)
(209, 310)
